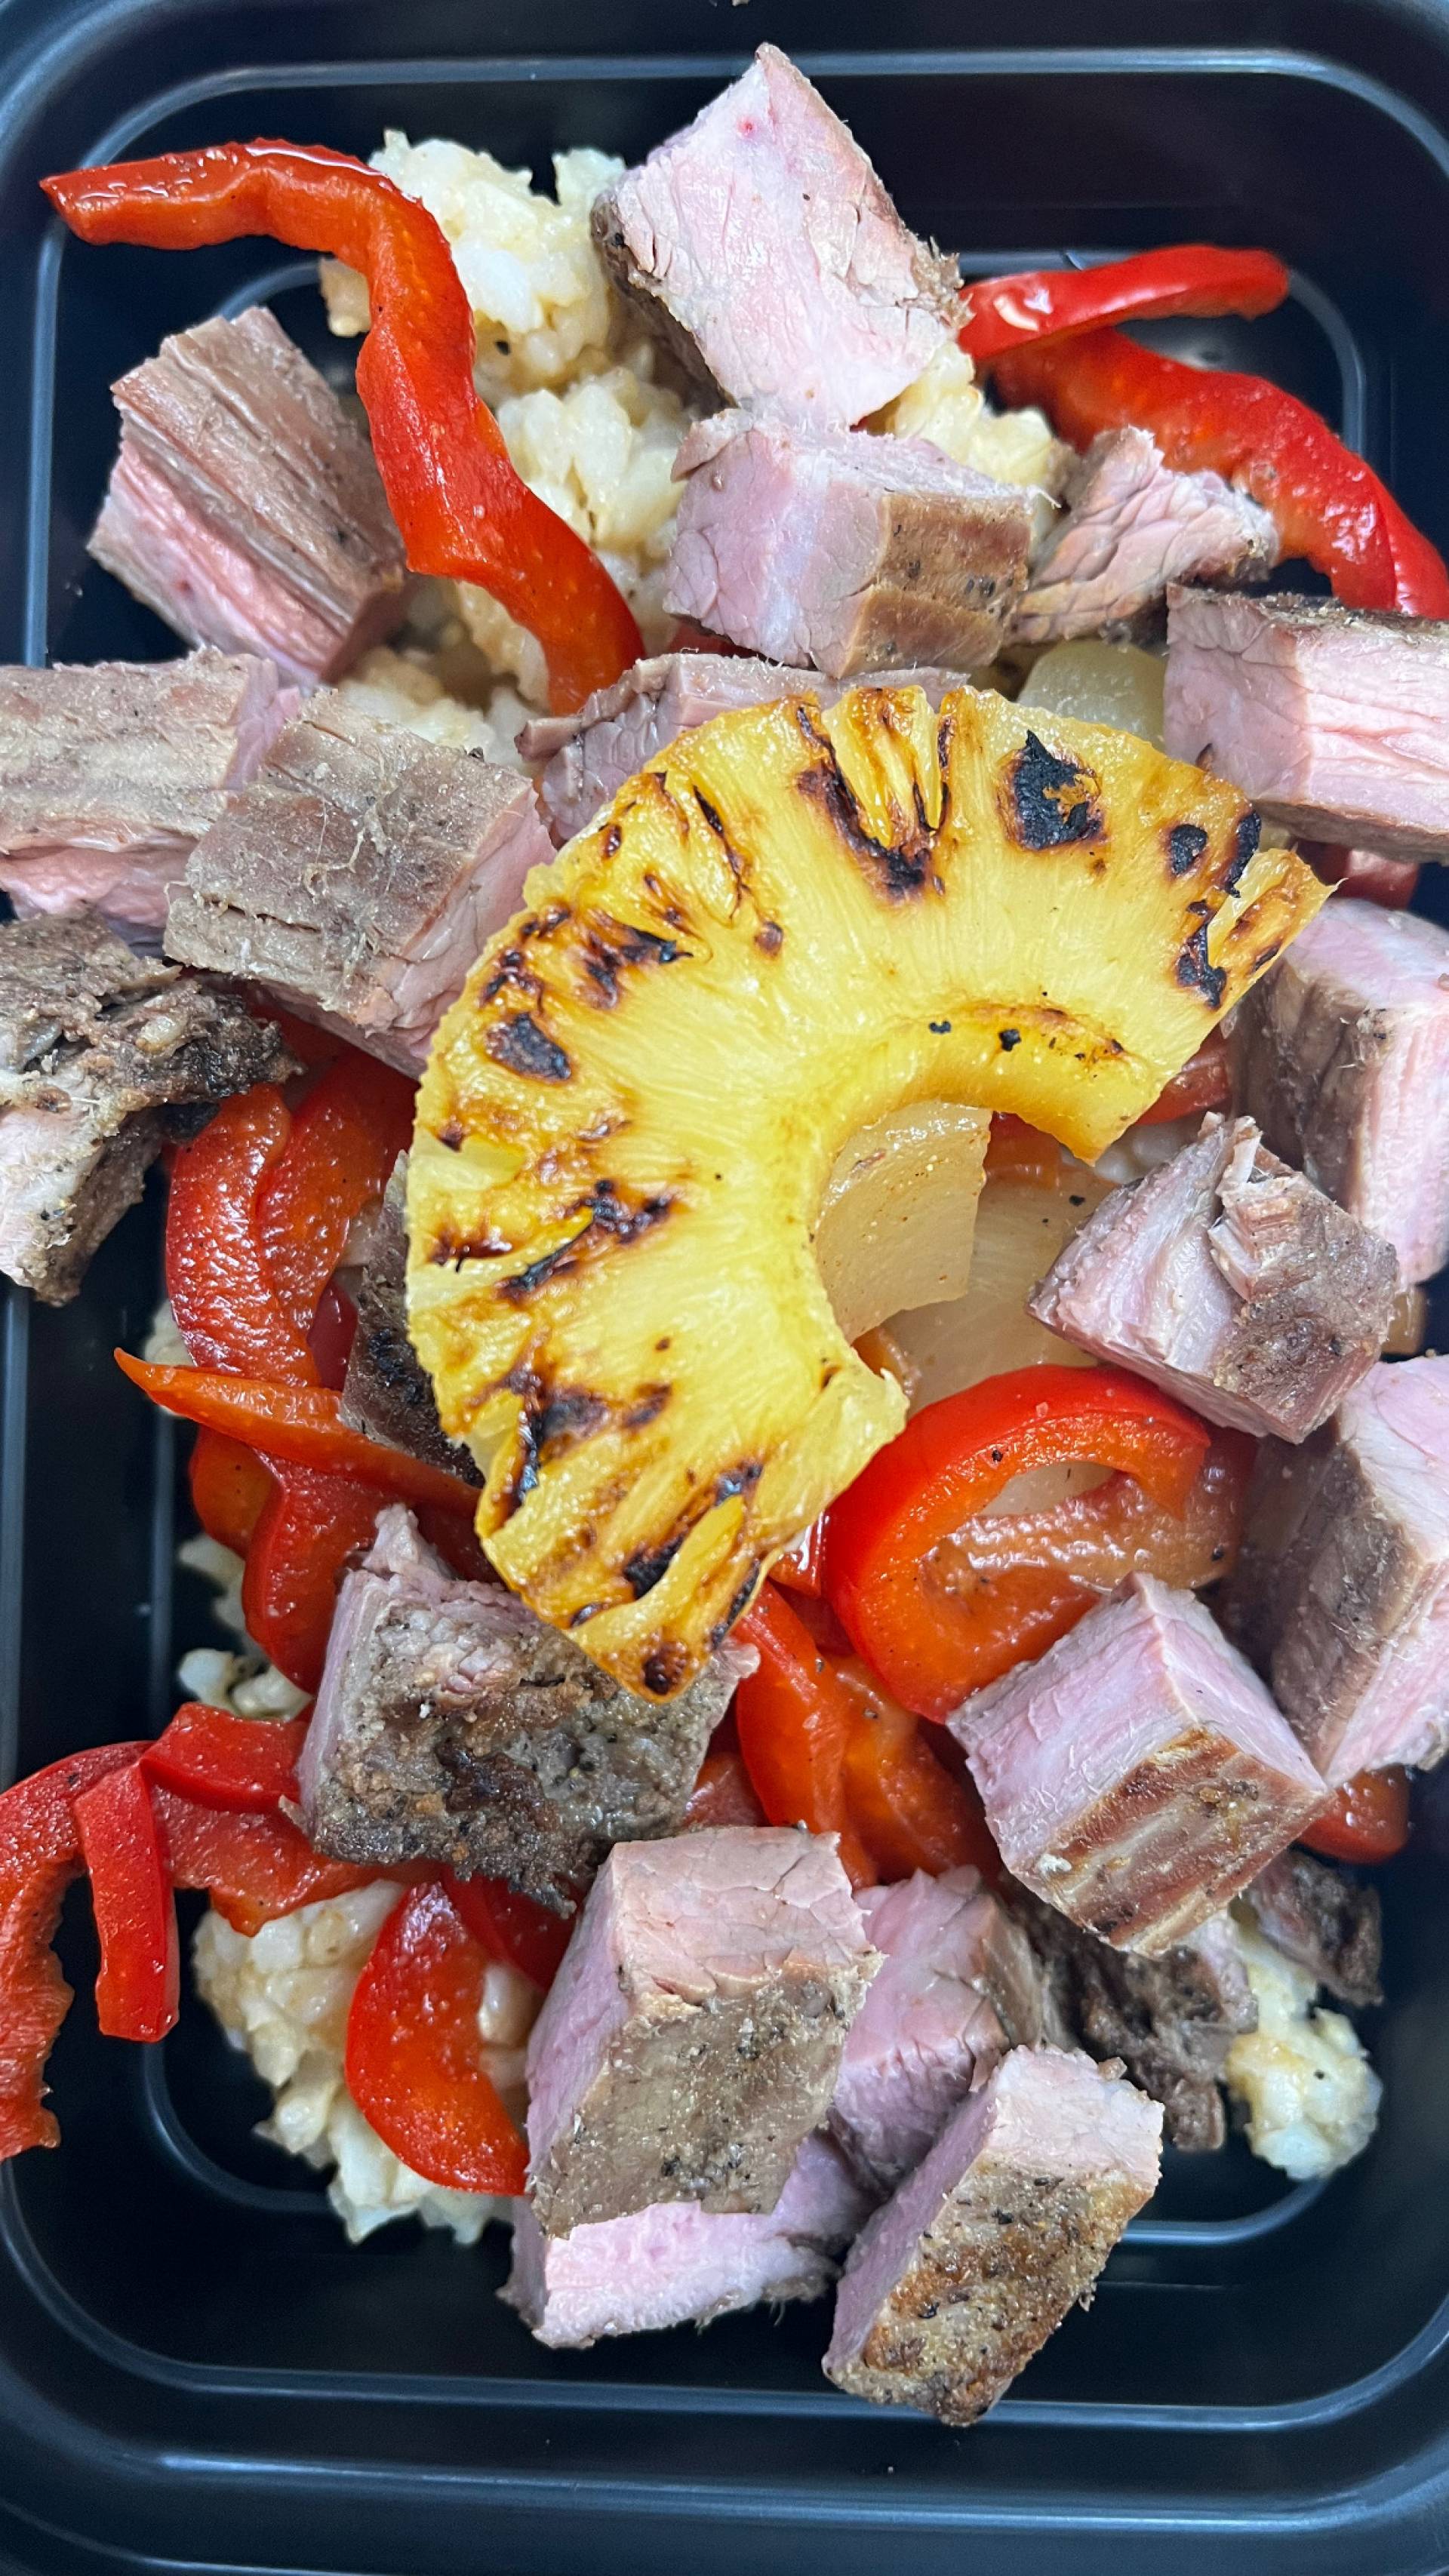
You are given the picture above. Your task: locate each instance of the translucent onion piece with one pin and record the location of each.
(1020, 1229)
(1113, 684)
(896, 1224)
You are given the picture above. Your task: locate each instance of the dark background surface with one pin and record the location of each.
(196, 2371)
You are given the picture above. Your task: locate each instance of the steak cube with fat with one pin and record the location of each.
(953, 2286)
(386, 1391)
(1138, 1775)
(359, 875)
(958, 1987)
(676, 2264)
(692, 2037)
(110, 773)
(1341, 1592)
(1334, 720)
(245, 507)
(1232, 1282)
(452, 1724)
(761, 247)
(103, 1056)
(845, 551)
(1342, 1054)
(1132, 528)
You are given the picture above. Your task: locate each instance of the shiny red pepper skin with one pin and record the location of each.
(242, 1763)
(253, 1867)
(39, 1856)
(1368, 1820)
(1000, 313)
(312, 1528)
(795, 1720)
(228, 1308)
(298, 1425)
(463, 509)
(345, 1138)
(1326, 504)
(512, 1928)
(138, 1986)
(414, 2066)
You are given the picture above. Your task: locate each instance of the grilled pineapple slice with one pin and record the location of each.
(790, 925)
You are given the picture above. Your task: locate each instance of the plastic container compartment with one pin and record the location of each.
(195, 2368)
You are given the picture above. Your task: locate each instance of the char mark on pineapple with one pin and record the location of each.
(610, 1220)
(524, 1048)
(900, 869)
(1186, 843)
(1050, 804)
(1195, 970)
(611, 946)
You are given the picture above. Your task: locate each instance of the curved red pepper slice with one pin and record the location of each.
(229, 1489)
(1326, 504)
(301, 1424)
(253, 1867)
(39, 1856)
(1000, 313)
(346, 1136)
(1205, 1082)
(795, 1719)
(513, 1928)
(1368, 1820)
(138, 1985)
(219, 1279)
(909, 1810)
(312, 1527)
(244, 1763)
(932, 1646)
(724, 1793)
(463, 508)
(414, 2063)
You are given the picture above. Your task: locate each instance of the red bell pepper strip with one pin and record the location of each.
(1367, 874)
(219, 1278)
(1000, 313)
(253, 1867)
(1368, 1820)
(1205, 1082)
(39, 1856)
(138, 1987)
(229, 1489)
(245, 1764)
(910, 1812)
(313, 1526)
(300, 1424)
(930, 1645)
(723, 1794)
(1326, 504)
(346, 1136)
(795, 1719)
(463, 508)
(332, 1334)
(413, 2057)
(1019, 1152)
(801, 1566)
(513, 1928)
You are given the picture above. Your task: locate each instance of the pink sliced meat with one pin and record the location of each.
(359, 876)
(761, 247)
(1132, 528)
(953, 2286)
(958, 1987)
(1341, 1055)
(110, 772)
(1138, 1774)
(1334, 720)
(1341, 1594)
(676, 2263)
(693, 2035)
(1230, 1281)
(845, 551)
(245, 506)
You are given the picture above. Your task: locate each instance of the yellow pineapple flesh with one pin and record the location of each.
(789, 926)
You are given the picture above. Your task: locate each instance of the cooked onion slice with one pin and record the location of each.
(1020, 1228)
(896, 1225)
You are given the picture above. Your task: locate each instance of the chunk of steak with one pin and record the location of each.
(958, 1987)
(692, 2037)
(1334, 720)
(951, 2288)
(359, 875)
(387, 1392)
(1336, 1055)
(110, 773)
(618, 731)
(1341, 1591)
(1133, 527)
(1232, 1282)
(245, 507)
(846, 551)
(452, 1724)
(1171, 2020)
(761, 247)
(1325, 1920)
(676, 2263)
(1137, 1775)
(103, 1055)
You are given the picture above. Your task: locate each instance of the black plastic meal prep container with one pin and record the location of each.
(196, 2370)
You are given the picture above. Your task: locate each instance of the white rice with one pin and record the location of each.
(1302, 2078)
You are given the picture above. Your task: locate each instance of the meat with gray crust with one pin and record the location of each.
(386, 1391)
(1325, 1920)
(693, 2035)
(103, 1056)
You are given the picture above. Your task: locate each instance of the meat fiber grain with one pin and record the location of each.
(844, 551)
(386, 1391)
(761, 247)
(1230, 1281)
(1341, 1591)
(1334, 720)
(1325, 1920)
(245, 506)
(953, 2286)
(1131, 529)
(359, 876)
(452, 1724)
(1341, 1055)
(693, 2035)
(1138, 1774)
